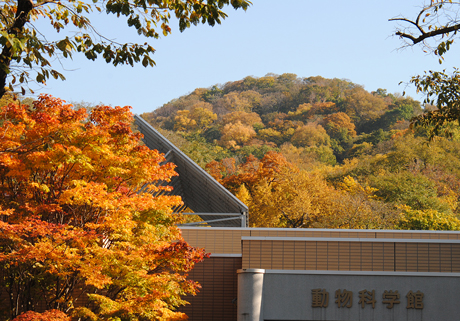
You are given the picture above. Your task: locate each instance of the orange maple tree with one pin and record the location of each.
(77, 239)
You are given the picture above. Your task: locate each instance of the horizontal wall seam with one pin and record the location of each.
(360, 240)
(334, 231)
(361, 273)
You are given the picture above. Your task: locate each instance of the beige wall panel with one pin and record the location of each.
(400, 257)
(317, 234)
(299, 256)
(456, 258)
(254, 254)
(310, 255)
(223, 241)
(189, 235)
(355, 256)
(246, 255)
(344, 256)
(423, 258)
(289, 255)
(446, 257)
(389, 256)
(384, 235)
(418, 236)
(216, 240)
(333, 256)
(277, 252)
(321, 255)
(367, 235)
(433, 252)
(411, 257)
(347, 234)
(266, 255)
(273, 233)
(377, 256)
(304, 233)
(366, 256)
(300, 233)
(288, 263)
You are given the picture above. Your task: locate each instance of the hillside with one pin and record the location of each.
(370, 169)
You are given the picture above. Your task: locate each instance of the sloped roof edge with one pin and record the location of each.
(163, 145)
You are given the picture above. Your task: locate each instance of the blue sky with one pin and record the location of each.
(329, 38)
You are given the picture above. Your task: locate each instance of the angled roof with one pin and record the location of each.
(199, 191)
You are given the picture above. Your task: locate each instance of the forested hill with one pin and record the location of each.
(352, 159)
(329, 119)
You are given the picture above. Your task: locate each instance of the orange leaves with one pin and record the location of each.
(50, 315)
(334, 122)
(250, 172)
(71, 215)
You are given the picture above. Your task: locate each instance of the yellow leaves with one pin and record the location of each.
(85, 313)
(268, 134)
(182, 121)
(84, 193)
(199, 117)
(42, 187)
(310, 135)
(426, 220)
(352, 186)
(248, 119)
(243, 195)
(6, 212)
(236, 134)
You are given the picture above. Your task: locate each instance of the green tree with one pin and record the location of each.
(414, 190)
(24, 47)
(443, 91)
(435, 28)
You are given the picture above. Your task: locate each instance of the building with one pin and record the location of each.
(308, 274)
(314, 274)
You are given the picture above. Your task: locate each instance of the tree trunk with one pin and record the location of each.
(21, 18)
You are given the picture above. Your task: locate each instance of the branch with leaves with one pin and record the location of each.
(25, 48)
(439, 21)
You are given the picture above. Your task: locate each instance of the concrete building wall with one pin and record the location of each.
(408, 297)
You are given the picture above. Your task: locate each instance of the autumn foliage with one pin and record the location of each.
(343, 157)
(77, 239)
(279, 194)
